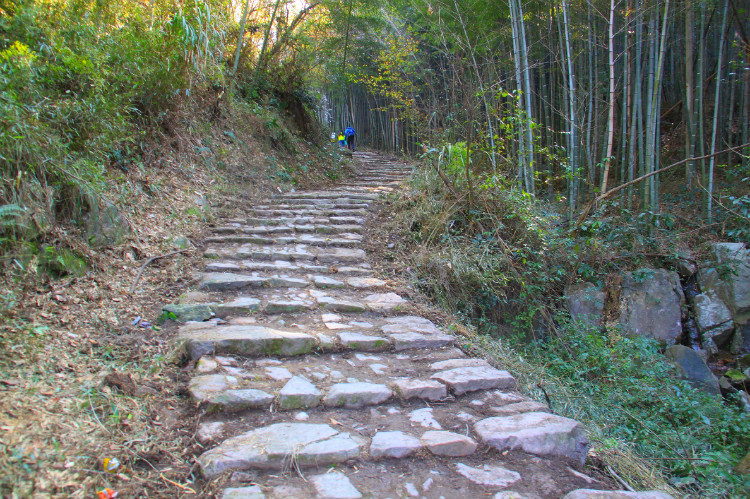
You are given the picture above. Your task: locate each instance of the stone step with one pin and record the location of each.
(293, 269)
(304, 212)
(349, 380)
(248, 339)
(327, 195)
(302, 220)
(241, 228)
(342, 239)
(389, 431)
(223, 277)
(289, 300)
(299, 252)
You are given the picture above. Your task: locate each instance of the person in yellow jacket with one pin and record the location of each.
(342, 139)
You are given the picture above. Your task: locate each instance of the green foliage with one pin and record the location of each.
(624, 387)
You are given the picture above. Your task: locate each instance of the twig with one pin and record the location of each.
(617, 477)
(183, 487)
(140, 270)
(93, 411)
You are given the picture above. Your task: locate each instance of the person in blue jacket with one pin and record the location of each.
(349, 133)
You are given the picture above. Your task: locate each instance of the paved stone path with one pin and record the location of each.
(319, 381)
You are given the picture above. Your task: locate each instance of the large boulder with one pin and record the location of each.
(714, 320)
(105, 225)
(585, 303)
(693, 368)
(728, 275)
(651, 303)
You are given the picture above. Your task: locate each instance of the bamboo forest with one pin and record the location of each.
(394, 248)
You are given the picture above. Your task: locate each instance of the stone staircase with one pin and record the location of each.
(317, 380)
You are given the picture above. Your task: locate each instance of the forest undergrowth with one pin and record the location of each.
(500, 261)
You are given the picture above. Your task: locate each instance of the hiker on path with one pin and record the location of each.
(342, 139)
(349, 133)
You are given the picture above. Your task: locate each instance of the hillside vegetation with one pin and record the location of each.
(558, 141)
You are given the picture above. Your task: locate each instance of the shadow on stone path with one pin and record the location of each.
(319, 381)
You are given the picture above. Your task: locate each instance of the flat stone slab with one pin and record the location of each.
(334, 485)
(395, 444)
(339, 305)
(336, 255)
(280, 306)
(537, 433)
(365, 282)
(410, 324)
(488, 475)
(239, 400)
(408, 341)
(252, 492)
(519, 407)
(190, 312)
(201, 388)
(384, 301)
(209, 432)
(245, 341)
(425, 418)
(470, 379)
(444, 365)
(275, 446)
(238, 306)
(357, 341)
(327, 282)
(353, 395)
(225, 281)
(446, 443)
(421, 389)
(299, 393)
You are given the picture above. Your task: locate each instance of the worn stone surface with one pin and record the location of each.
(470, 379)
(615, 494)
(651, 305)
(693, 368)
(327, 282)
(519, 407)
(407, 341)
(729, 277)
(201, 388)
(446, 443)
(206, 365)
(489, 475)
(238, 306)
(536, 433)
(352, 395)
(455, 363)
(357, 341)
(395, 444)
(339, 305)
(246, 340)
(422, 389)
(585, 303)
(384, 301)
(365, 282)
(334, 485)
(713, 318)
(209, 432)
(238, 400)
(189, 312)
(272, 447)
(224, 281)
(299, 393)
(251, 492)
(425, 418)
